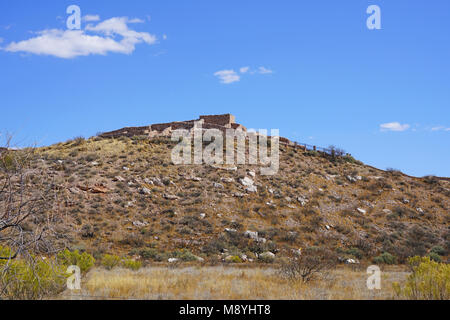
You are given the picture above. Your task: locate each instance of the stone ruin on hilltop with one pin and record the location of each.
(221, 122)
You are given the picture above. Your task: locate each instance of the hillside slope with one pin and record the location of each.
(124, 196)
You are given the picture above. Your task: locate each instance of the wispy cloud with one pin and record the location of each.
(230, 76)
(227, 76)
(98, 39)
(244, 69)
(263, 70)
(91, 18)
(394, 126)
(440, 128)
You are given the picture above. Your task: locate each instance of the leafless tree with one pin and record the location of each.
(25, 200)
(309, 264)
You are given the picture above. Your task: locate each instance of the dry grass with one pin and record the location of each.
(220, 282)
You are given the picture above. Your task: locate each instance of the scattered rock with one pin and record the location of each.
(251, 189)
(351, 179)
(172, 260)
(202, 215)
(362, 211)
(303, 201)
(247, 182)
(170, 196)
(252, 174)
(352, 261)
(420, 210)
(227, 180)
(126, 168)
(118, 178)
(140, 224)
(238, 195)
(144, 190)
(267, 255)
(218, 185)
(230, 230)
(251, 234)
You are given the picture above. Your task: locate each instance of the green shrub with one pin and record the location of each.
(131, 264)
(438, 250)
(385, 258)
(430, 280)
(235, 259)
(110, 261)
(355, 252)
(184, 255)
(30, 279)
(83, 260)
(435, 257)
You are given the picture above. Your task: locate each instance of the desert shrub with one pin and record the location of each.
(438, 250)
(151, 254)
(83, 260)
(30, 279)
(183, 255)
(131, 264)
(435, 257)
(110, 261)
(430, 280)
(235, 259)
(385, 258)
(312, 262)
(354, 252)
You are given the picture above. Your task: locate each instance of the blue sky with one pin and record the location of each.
(309, 68)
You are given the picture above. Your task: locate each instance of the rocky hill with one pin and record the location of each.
(123, 195)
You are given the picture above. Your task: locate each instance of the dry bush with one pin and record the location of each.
(312, 262)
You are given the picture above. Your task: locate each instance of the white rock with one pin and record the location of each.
(202, 215)
(169, 196)
(267, 255)
(140, 224)
(126, 168)
(227, 180)
(230, 230)
(251, 234)
(303, 201)
(172, 260)
(246, 181)
(351, 261)
(145, 191)
(119, 178)
(420, 210)
(252, 174)
(362, 211)
(218, 185)
(251, 189)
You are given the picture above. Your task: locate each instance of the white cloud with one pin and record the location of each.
(73, 43)
(136, 20)
(1, 40)
(440, 128)
(244, 69)
(164, 36)
(91, 18)
(394, 126)
(263, 70)
(227, 76)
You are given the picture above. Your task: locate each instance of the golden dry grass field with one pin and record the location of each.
(230, 283)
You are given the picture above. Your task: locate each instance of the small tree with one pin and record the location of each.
(310, 263)
(24, 198)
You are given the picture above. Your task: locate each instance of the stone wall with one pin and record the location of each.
(221, 120)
